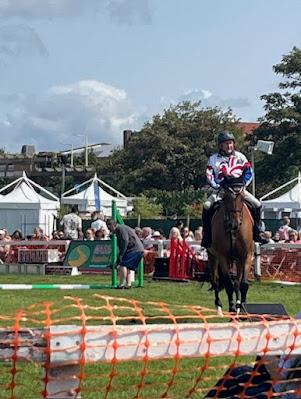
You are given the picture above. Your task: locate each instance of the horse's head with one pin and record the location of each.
(233, 200)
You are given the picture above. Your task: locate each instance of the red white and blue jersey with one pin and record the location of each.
(233, 165)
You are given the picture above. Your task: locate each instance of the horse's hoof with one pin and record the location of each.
(220, 311)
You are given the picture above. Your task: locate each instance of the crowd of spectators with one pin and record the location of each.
(70, 228)
(285, 233)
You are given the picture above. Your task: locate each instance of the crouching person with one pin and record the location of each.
(130, 251)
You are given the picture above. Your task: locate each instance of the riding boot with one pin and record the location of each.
(256, 228)
(206, 218)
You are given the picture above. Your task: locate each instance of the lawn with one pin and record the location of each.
(176, 377)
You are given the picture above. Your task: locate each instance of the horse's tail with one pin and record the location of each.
(217, 280)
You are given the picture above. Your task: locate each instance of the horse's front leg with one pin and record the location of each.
(238, 293)
(213, 265)
(244, 285)
(225, 268)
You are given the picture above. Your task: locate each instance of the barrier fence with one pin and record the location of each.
(281, 262)
(110, 347)
(271, 261)
(32, 251)
(187, 259)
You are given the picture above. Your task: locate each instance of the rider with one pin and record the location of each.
(228, 162)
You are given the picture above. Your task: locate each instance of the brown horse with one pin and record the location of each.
(232, 240)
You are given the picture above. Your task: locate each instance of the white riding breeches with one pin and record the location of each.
(213, 197)
(251, 199)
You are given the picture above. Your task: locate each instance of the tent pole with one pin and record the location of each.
(114, 249)
(63, 178)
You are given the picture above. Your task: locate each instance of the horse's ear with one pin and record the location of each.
(230, 181)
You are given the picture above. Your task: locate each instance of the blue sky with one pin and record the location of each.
(96, 67)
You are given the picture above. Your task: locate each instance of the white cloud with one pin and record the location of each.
(20, 40)
(129, 11)
(86, 107)
(208, 99)
(41, 8)
(122, 11)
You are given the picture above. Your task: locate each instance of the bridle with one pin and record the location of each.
(234, 191)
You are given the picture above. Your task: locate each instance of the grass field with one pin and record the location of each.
(157, 376)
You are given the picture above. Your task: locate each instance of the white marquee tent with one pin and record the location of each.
(23, 208)
(93, 197)
(289, 203)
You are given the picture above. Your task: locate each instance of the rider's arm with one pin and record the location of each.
(247, 169)
(211, 176)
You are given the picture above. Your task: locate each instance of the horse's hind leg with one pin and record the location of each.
(244, 287)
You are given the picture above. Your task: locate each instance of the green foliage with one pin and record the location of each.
(282, 124)
(170, 153)
(64, 209)
(194, 210)
(182, 203)
(146, 208)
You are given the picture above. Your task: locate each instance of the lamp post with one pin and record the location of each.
(253, 166)
(71, 153)
(86, 148)
(259, 145)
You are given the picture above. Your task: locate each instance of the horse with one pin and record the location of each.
(232, 240)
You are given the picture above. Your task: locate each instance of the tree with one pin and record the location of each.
(171, 151)
(146, 208)
(282, 124)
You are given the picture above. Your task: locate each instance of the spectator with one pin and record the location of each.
(276, 237)
(12, 256)
(99, 222)
(55, 235)
(198, 235)
(268, 236)
(285, 229)
(293, 237)
(72, 225)
(147, 235)
(130, 251)
(17, 235)
(157, 235)
(61, 235)
(4, 249)
(185, 233)
(38, 235)
(138, 231)
(7, 237)
(258, 379)
(175, 234)
(58, 235)
(100, 234)
(90, 235)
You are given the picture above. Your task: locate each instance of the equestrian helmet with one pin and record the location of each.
(225, 136)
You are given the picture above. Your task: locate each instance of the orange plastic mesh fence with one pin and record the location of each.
(108, 347)
(281, 262)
